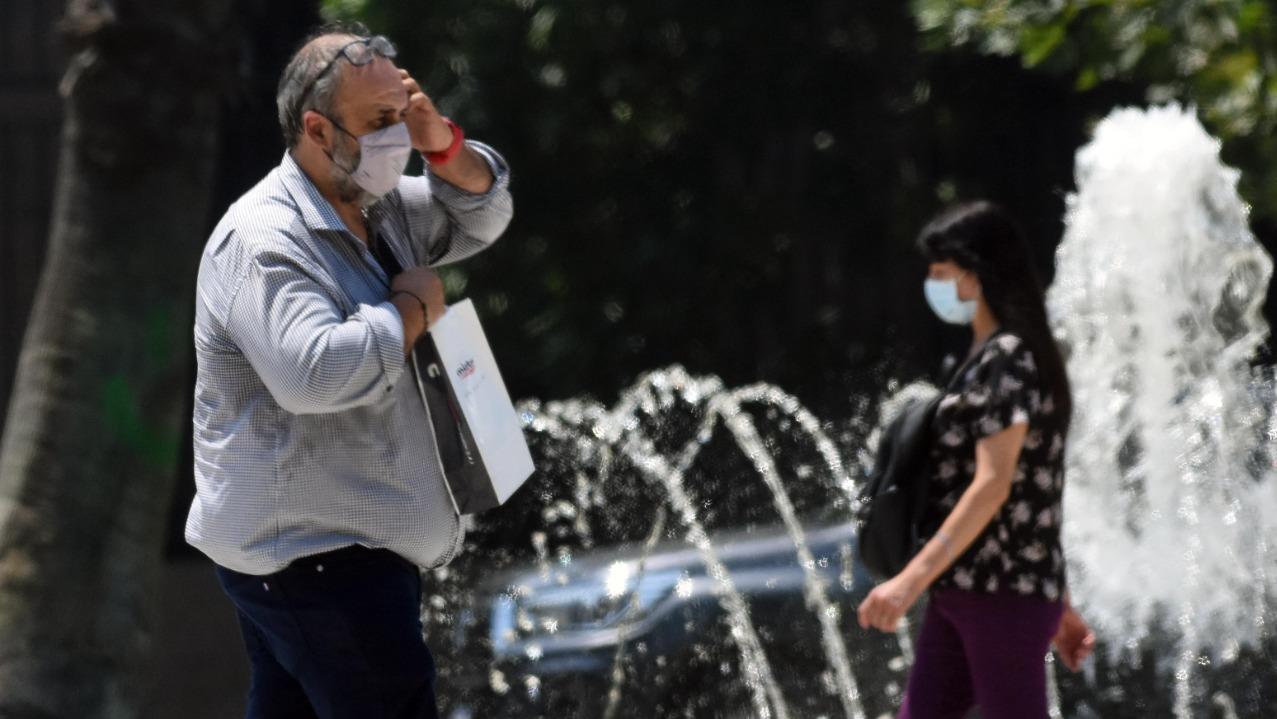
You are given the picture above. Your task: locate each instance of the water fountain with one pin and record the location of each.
(1157, 299)
(687, 490)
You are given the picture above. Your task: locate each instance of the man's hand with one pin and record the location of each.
(1074, 641)
(888, 602)
(467, 170)
(425, 125)
(425, 284)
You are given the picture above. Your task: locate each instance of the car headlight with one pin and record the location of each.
(599, 601)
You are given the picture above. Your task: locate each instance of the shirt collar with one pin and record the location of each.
(317, 212)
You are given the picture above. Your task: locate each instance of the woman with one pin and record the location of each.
(993, 563)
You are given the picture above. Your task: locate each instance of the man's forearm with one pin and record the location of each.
(468, 171)
(414, 319)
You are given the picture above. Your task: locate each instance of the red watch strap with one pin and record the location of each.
(444, 156)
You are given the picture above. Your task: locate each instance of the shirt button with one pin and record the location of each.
(389, 387)
(266, 586)
(319, 567)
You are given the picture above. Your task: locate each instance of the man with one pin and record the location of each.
(319, 487)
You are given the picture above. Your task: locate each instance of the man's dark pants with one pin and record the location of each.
(335, 636)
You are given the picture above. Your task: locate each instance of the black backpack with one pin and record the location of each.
(895, 495)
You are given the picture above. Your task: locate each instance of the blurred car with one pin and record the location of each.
(638, 632)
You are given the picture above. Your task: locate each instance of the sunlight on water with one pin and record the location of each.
(1157, 298)
(1169, 509)
(723, 408)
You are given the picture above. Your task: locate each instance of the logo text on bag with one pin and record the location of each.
(466, 369)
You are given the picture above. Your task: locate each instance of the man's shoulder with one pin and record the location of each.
(264, 220)
(264, 224)
(265, 213)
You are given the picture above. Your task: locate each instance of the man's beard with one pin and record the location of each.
(347, 189)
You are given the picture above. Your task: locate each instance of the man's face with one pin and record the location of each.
(369, 97)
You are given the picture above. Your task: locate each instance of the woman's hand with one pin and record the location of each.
(889, 601)
(1074, 641)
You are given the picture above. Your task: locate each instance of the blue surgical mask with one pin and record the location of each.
(942, 295)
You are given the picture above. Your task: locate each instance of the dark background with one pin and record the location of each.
(734, 191)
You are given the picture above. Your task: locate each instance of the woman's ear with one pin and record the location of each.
(969, 287)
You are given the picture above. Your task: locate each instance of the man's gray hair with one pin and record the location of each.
(293, 98)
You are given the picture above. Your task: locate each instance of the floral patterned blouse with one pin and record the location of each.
(1019, 552)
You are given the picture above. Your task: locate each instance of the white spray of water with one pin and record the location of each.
(620, 430)
(767, 696)
(1157, 298)
(631, 611)
(817, 598)
(1170, 499)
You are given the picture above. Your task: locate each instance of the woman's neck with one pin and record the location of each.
(982, 326)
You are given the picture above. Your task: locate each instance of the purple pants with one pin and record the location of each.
(981, 650)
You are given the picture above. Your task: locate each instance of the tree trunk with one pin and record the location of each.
(91, 441)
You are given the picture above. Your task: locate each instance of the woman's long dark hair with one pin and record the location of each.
(983, 238)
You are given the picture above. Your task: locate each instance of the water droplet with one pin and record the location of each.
(617, 579)
(684, 586)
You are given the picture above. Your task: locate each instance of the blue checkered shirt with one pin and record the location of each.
(310, 430)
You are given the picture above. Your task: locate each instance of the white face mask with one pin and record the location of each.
(942, 295)
(383, 155)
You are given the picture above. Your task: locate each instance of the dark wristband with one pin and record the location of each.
(425, 313)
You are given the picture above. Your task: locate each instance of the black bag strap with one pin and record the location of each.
(966, 363)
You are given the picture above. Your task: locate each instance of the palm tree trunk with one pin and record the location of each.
(91, 440)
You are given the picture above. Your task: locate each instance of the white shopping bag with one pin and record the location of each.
(478, 433)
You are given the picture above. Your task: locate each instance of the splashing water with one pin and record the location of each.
(1170, 501)
(1157, 299)
(619, 429)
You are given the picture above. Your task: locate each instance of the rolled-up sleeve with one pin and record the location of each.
(448, 223)
(312, 357)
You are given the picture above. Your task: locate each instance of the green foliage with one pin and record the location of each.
(1219, 55)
